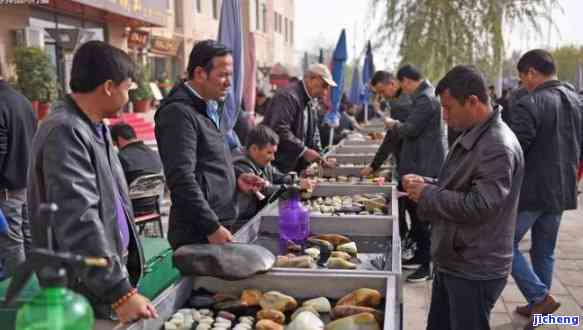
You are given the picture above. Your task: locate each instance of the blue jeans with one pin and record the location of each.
(535, 281)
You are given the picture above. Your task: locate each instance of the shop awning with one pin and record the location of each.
(136, 13)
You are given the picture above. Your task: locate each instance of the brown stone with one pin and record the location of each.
(268, 325)
(271, 314)
(361, 297)
(251, 297)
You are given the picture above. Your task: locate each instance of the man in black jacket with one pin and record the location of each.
(292, 114)
(471, 206)
(548, 124)
(17, 127)
(262, 144)
(422, 152)
(75, 166)
(197, 161)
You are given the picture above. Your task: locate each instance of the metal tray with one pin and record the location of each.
(366, 149)
(344, 189)
(358, 159)
(352, 171)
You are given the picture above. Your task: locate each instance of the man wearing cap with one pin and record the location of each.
(292, 114)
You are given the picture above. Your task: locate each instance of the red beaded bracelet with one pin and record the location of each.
(124, 299)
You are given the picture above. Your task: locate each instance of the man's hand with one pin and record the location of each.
(414, 185)
(390, 122)
(136, 308)
(329, 162)
(311, 155)
(220, 236)
(248, 182)
(366, 171)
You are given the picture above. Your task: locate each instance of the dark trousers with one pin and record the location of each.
(403, 227)
(16, 242)
(420, 233)
(460, 304)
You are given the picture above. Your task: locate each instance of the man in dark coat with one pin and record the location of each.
(471, 206)
(197, 161)
(261, 148)
(75, 166)
(422, 152)
(549, 125)
(293, 114)
(17, 127)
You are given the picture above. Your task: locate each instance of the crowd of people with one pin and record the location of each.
(476, 173)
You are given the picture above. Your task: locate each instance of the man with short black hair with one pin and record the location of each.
(471, 206)
(292, 114)
(137, 159)
(422, 152)
(548, 124)
(75, 166)
(17, 127)
(197, 161)
(261, 144)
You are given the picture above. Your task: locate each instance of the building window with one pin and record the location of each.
(257, 16)
(279, 23)
(178, 14)
(264, 18)
(291, 32)
(216, 9)
(275, 21)
(199, 6)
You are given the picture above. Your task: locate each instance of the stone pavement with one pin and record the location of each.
(567, 283)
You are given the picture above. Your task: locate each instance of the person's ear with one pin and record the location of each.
(108, 87)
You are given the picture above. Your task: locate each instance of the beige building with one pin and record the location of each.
(158, 32)
(60, 25)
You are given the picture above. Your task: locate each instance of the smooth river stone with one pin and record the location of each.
(338, 263)
(345, 310)
(349, 248)
(305, 309)
(268, 325)
(306, 321)
(321, 305)
(361, 297)
(278, 301)
(363, 321)
(251, 297)
(271, 314)
(334, 239)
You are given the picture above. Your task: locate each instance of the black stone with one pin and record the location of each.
(201, 302)
(231, 261)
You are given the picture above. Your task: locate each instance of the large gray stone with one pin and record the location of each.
(231, 261)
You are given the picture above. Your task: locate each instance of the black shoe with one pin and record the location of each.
(420, 275)
(412, 263)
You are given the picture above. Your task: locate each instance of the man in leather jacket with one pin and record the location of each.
(422, 152)
(549, 125)
(471, 206)
(292, 114)
(75, 166)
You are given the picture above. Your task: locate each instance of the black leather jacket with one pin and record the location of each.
(17, 127)
(423, 146)
(472, 207)
(285, 115)
(70, 168)
(549, 125)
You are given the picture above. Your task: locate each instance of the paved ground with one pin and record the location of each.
(567, 283)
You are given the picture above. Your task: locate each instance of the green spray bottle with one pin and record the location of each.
(55, 307)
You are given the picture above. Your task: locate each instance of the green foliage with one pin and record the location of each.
(435, 35)
(143, 92)
(567, 58)
(36, 76)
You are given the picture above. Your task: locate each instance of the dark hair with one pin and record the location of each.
(202, 55)
(410, 72)
(260, 93)
(96, 62)
(1, 69)
(538, 59)
(463, 81)
(122, 130)
(261, 136)
(292, 79)
(491, 87)
(381, 77)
